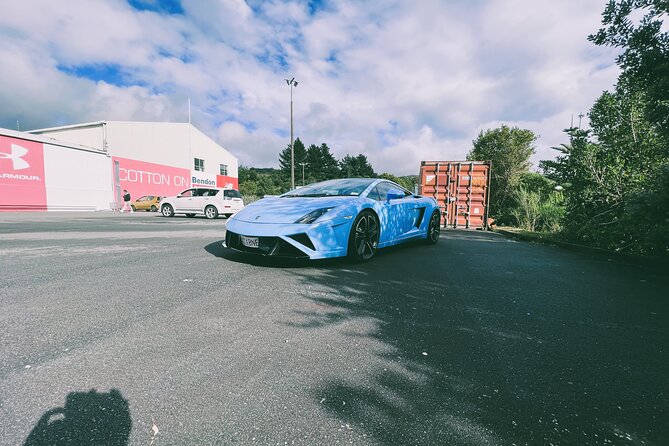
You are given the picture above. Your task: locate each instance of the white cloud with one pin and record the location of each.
(399, 82)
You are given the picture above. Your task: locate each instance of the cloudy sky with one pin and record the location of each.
(399, 81)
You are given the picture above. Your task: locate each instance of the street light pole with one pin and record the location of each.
(293, 83)
(303, 164)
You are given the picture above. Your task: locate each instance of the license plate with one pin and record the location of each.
(250, 242)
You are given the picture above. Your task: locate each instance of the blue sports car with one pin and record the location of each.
(353, 216)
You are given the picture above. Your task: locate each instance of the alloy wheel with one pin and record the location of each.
(366, 236)
(435, 228)
(210, 212)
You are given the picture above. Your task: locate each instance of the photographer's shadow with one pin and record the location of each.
(88, 418)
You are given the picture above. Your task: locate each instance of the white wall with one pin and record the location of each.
(155, 142)
(77, 179)
(168, 143)
(213, 155)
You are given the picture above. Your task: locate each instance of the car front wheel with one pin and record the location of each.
(433, 229)
(167, 210)
(211, 212)
(364, 239)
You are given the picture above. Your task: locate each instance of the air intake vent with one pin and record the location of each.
(304, 240)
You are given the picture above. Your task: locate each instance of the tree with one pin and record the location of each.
(645, 57)
(509, 150)
(608, 172)
(285, 159)
(321, 164)
(257, 182)
(356, 167)
(406, 182)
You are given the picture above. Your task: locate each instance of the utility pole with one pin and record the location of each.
(303, 164)
(293, 83)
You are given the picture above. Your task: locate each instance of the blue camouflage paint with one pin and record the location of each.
(276, 217)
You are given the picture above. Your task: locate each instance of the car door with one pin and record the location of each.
(139, 203)
(233, 200)
(150, 201)
(203, 197)
(184, 201)
(398, 213)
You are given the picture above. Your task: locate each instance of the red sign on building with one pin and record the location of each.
(21, 175)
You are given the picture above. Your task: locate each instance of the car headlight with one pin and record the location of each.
(311, 216)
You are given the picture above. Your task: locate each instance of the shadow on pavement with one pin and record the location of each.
(217, 249)
(88, 418)
(462, 363)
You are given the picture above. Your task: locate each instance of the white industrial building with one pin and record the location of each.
(146, 158)
(39, 174)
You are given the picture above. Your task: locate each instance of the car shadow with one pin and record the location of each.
(218, 250)
(87, 418)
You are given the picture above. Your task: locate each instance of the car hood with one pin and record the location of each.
(287, 210)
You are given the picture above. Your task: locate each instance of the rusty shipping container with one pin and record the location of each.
(461, 190)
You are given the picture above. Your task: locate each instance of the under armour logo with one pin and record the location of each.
(16, 155)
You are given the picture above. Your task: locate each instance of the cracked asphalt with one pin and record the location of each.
(478, 340)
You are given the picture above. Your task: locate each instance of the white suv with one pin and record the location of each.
(210, 201)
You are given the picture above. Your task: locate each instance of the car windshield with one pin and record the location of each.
(332, 188)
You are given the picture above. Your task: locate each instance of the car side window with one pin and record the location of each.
(374, 195)
(231, 193)
(187, 193)
(382, 190)
(212, 192)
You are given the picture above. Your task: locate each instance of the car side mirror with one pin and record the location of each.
(394, 194)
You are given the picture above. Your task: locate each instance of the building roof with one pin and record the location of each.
(46, 140)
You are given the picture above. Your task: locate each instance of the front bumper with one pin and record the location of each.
(316, 241)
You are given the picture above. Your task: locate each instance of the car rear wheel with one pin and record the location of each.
(433, 229)
(167, 210)
(211, 212)
(153, 208)
(364, 239)
(132, 206)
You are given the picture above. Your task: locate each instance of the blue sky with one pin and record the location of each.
(397, 81)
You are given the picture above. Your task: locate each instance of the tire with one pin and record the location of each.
(153, 208)
(132, 206)
(364, 238)
(433, 229)
(167, 210)
(190, 215)
(211, 212)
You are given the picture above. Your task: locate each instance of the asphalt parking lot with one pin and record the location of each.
(476, 340)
